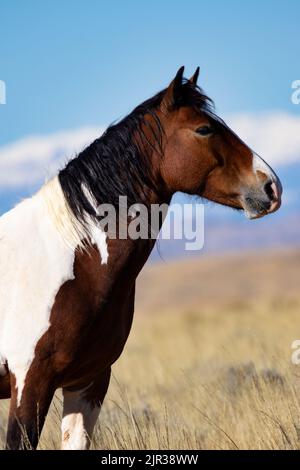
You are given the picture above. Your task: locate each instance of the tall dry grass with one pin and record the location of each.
(217, 376)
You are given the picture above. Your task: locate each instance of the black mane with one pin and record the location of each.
(114, 164)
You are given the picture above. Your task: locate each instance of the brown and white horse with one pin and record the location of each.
(67, 289)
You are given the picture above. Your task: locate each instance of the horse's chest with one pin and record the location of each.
(98, 342)
(91, 317)
(107, 336)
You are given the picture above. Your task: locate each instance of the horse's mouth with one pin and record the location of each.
(256, 208)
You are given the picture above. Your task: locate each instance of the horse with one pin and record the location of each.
(67, 288)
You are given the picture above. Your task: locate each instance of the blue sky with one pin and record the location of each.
(74, 63)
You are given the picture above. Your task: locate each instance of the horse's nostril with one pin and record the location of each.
(269, 190)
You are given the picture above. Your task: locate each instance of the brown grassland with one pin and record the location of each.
(208, 362)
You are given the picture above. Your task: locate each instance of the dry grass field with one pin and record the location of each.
(208, 363)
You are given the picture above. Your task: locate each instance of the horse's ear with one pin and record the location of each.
(173, 91)
(194, 78)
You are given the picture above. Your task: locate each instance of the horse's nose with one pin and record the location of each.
(267, 184)
(263, 197)
(273, 189)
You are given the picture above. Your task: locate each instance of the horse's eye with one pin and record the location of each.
(204, 130)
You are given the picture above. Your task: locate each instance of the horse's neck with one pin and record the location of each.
(75, 236)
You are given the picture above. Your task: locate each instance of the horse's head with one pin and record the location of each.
(203, 156)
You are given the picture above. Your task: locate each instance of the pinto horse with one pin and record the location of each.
(67, 289)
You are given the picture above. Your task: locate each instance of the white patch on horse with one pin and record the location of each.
(64, 220)
(79, 419)
(96, 234)
(38, 239)
(35, 261)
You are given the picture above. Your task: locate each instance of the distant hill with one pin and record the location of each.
(214, 281)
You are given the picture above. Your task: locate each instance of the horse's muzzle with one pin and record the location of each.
(260, 201)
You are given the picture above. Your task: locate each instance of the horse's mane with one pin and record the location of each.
(115, 165)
